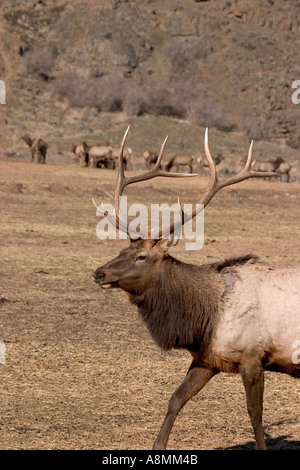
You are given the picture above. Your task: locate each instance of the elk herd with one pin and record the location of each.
(106, 156)
(101, 156)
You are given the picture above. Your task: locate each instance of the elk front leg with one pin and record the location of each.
(196, 378)
(253, 379)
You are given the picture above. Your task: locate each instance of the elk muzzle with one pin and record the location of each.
(104, 278)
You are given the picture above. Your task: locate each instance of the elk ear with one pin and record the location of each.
(165, 244)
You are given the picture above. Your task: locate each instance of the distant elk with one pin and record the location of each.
(37, 147)
(100, 155)
(284, 170)
(180, 160)
(276, 164)
(150, 158)
(202, 162)
(237, 315)
(82, 153)
(127, 157)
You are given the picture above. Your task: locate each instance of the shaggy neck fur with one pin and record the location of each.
(180, 307)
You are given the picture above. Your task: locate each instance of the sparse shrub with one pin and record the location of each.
(164, 102)
(293, 142)
(135, 99)
(105, 93)
(159, 101)
(252, 127)
(256, 125)
(111, 93)
(71, 86)
(39, 60)
(108, 93)
(183, 52)
(202, 108)
(208, 113)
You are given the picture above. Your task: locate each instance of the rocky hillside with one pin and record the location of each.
(218, 63)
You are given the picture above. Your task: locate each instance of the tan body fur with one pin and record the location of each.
(260, 316)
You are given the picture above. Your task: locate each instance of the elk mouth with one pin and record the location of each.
(110, 285)
(101, 279)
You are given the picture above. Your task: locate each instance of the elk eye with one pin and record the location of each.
(141, 258)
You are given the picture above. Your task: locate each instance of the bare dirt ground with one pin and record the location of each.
(81, 370)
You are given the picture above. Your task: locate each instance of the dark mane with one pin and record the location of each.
(185, 321)
(237, 261)
(181, 321)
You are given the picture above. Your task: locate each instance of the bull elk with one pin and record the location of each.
(237, 315)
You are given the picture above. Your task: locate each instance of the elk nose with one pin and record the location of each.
(99, 276)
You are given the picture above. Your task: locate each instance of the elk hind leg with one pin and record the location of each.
(253, 379)
(196, 378)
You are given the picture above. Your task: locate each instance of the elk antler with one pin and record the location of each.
(216, 184)
(123, 181)
(213, 187)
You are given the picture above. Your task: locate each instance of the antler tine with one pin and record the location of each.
(209, 193)
(120, 185)
(122, 151)
(211, 163)
(121, 177)
(212, 186)
(249, 159)
(161, 153)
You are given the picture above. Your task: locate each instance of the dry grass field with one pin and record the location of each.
(81, 370)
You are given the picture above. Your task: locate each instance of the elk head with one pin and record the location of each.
(138, 265)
